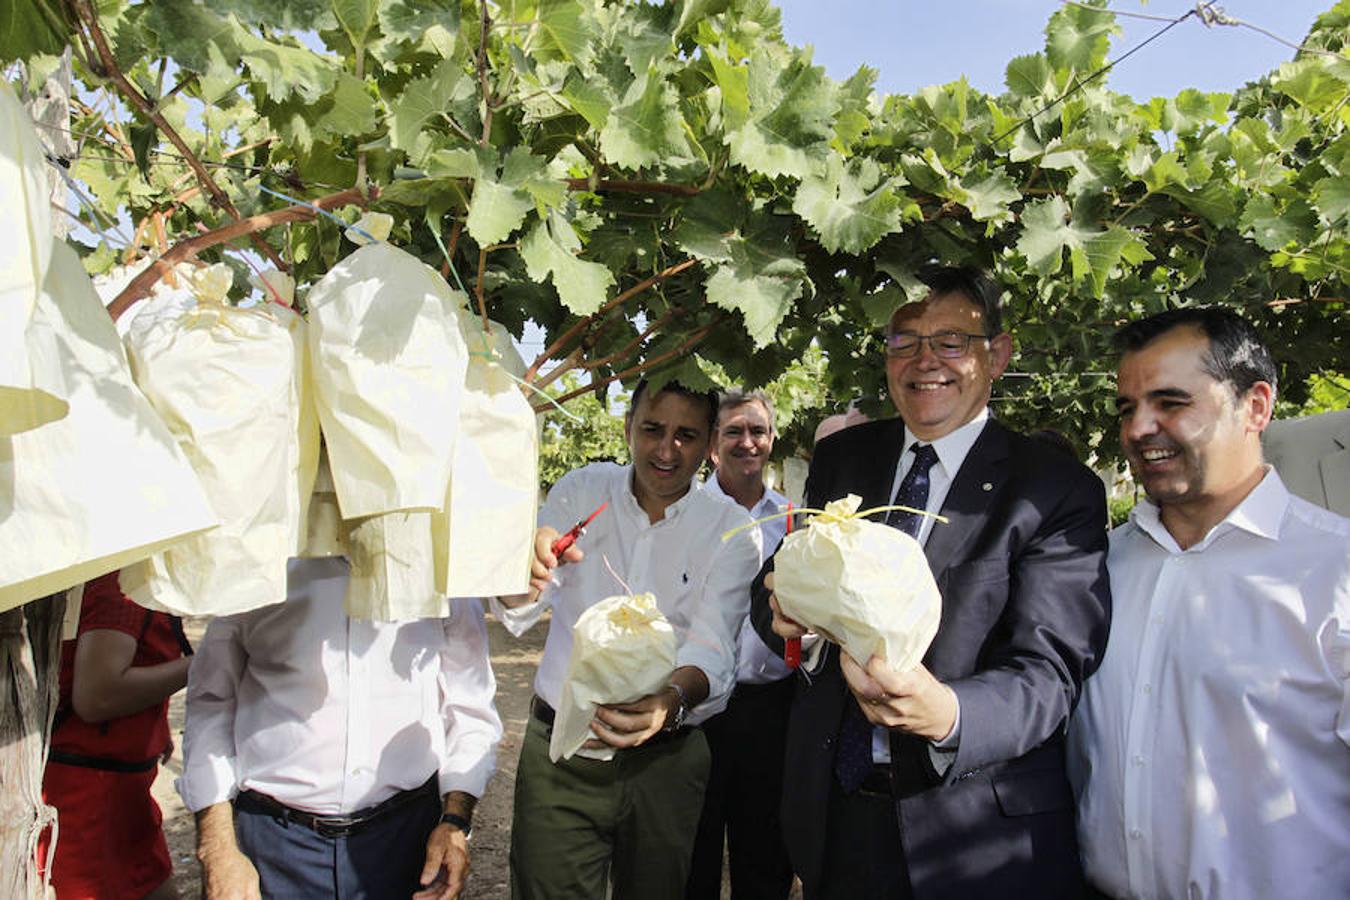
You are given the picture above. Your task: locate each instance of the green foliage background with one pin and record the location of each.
(570, 150)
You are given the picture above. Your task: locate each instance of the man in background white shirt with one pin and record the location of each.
(630, 820)
(745, 781)
(1211, 751)
(352, 752)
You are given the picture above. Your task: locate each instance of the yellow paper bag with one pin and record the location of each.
(103, 487)
(388, 373)
(231, 385)
(622, 650)
(393, 570)
(486, 535)
(24, 257)
(864, 585)
(325, 535)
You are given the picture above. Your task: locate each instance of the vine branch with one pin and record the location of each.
(583, 323)
(88, 16)
(641, 368)
(141, 286)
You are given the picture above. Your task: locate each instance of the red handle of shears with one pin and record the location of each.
(576, 531)
(792, 647)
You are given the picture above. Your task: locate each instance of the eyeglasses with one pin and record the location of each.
(945, 344)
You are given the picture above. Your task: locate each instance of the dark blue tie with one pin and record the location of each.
(913, 491)
(853, 759)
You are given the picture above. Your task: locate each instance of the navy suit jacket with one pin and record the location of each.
(1021, 566)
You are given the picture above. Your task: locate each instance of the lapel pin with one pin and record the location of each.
(987, 486)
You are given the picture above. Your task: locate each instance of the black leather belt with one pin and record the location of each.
(545, 714)
(102, 763)
(333, 826)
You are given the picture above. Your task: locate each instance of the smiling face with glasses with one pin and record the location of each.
(940, 365)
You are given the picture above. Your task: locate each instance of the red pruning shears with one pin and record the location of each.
(577, 530)
(792, 647)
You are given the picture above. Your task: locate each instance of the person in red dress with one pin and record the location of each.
(110, 734)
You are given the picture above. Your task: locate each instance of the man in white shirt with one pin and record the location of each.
(326, 756)
(745, 781)
(631, 819)
(1211, 751)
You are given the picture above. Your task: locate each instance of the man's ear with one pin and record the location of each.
(1000, 352)
(1258, 405)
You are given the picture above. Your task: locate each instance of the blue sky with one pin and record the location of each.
(915, 43)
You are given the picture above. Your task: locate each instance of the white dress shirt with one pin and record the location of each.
(701, 582)
(330, 715)
(755, 662)
(1211, 751)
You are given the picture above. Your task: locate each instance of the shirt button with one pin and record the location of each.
(1148, 688)
(1136, 834)
(1138, 760)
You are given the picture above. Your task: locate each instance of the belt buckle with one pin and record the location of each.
(332, 826)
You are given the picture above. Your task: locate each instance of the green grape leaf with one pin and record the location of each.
(549, 251)
(1029, 76)
(792, 109)
(1079, 38)
(1331, 196)
(357, 18)
(407, 21)
(1273, 227)
(566, 26)
(988, 198)
(424, 99)
(850, 206)
(761, 281)
(646, 127)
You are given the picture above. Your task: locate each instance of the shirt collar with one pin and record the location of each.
(1260, 513)
(767, 505)
(952, 449)
(624, 488)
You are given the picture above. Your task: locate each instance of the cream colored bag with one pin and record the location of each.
(326, 535)
(864, 585)
(388, 369)
(486, 537)
(393, 569)
(103, 487)
(231, 385)
(25, 255)
(622, 650)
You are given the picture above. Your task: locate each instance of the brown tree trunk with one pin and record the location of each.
(30, 636)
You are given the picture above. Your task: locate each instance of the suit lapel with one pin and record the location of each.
(966, 506)
(880, 479)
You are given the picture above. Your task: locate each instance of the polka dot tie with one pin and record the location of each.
(853, 759)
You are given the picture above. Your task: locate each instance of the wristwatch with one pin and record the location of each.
(681, 710)
(459, 822)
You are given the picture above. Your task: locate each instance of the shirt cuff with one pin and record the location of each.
(459, 774)
(520, 619)
(943, 753)
(206, 785)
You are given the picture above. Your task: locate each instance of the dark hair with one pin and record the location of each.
(973, 284)
(708, 398)
(1236, 353)
(734, 398)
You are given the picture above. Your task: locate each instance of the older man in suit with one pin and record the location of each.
(1312, 455)
(948, 780)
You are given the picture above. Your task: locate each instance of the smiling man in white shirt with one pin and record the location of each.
(1211, 751)
(327, 756)
(630, 820)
